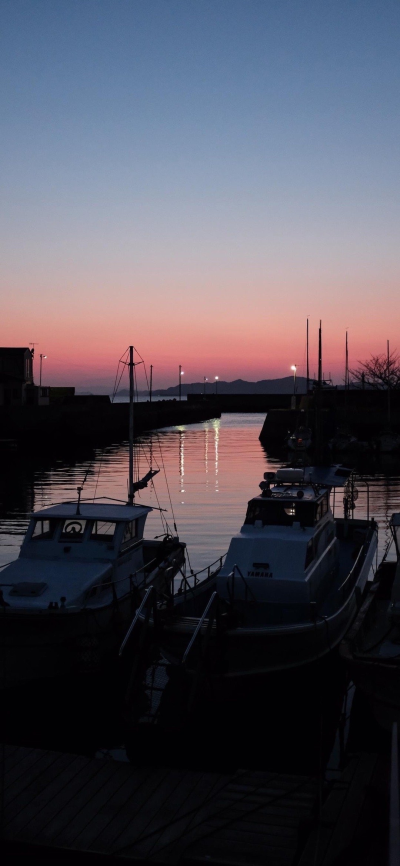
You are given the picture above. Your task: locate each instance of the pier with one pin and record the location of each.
(56, 803)
(95, 420)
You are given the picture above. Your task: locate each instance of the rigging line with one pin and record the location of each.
(164, 522)
(166, 481)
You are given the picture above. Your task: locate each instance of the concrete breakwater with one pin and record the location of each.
(94, 419)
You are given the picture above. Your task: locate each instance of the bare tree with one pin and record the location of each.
(380, 372)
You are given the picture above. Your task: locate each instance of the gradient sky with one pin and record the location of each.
(197, 177)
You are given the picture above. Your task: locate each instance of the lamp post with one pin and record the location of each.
(294, 368)
(216, 384)
(181, 373)
(41, 357)
(204, 386)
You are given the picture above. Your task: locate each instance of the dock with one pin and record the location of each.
(63, 804)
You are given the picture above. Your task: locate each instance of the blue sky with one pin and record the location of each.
(173, 159)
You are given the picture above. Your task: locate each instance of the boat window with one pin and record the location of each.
(290, 510)
(103, 530)
(73, 529)
(44, 529)
(277, 513)
(323, 507)
(130, 533)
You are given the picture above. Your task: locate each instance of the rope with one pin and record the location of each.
(166, 482)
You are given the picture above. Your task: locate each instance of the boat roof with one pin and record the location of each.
(94, 511)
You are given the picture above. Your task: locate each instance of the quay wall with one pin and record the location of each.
(95, 420)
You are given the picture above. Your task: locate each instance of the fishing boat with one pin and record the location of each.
(371, 649)
(291, 584)
(82, 570)
(300, 440)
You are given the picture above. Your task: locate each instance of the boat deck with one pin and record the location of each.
(63, 802)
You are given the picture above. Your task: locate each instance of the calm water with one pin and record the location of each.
(207, 473)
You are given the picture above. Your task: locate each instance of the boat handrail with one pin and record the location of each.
(113, 583)
(199, 625)
(356, 567)
(195, 575)
(138, 613)
(247, 587)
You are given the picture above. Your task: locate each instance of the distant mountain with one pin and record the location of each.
(239, 386)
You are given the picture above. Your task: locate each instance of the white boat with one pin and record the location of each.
(291, 584)
(83, 567)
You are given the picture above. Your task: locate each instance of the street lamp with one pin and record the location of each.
(181, 373)
(216, 383)
(41, 357)
(204, 386)
(294, 368)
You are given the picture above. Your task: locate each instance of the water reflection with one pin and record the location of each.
(223, 457)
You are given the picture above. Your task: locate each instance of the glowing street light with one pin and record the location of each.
(216, 383)
(41, 357)
(204, 386)
(294, 368)
(181, 373)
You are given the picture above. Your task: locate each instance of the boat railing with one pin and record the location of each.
(191, 581)
(247, 591)
(143, 607)
(206, 614)
(346, 587)
(106, 584)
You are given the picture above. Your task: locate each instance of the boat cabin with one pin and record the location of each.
(92, 531)
(286, 550)
(75, 556)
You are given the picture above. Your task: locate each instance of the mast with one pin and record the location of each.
(318, 404)
(346, 372)
(130, 479)
(388, 382)
(320, 355)
(308, 366)
(151, 380)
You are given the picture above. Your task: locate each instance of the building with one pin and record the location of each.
(16, 377)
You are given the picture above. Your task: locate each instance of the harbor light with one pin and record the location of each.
(181, 373)
(41, 358)
(294, 368)
(216, 383)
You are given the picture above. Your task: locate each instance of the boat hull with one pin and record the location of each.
(250, 651)
(43, 644)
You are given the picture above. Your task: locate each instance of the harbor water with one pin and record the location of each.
(207, 474)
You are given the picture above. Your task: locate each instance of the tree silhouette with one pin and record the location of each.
(380, 372)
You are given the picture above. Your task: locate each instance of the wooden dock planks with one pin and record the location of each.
(69, 802)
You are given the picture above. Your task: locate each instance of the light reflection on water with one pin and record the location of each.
(211, 470)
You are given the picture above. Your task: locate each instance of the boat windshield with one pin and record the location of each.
(43, 529)
(272, 512)
(73, 530)
(103, 530)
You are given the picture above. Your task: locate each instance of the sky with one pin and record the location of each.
(197, 177)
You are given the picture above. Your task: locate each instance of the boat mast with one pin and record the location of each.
(318, 404)
(308, 366)
(320, 355)
(130, 480)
